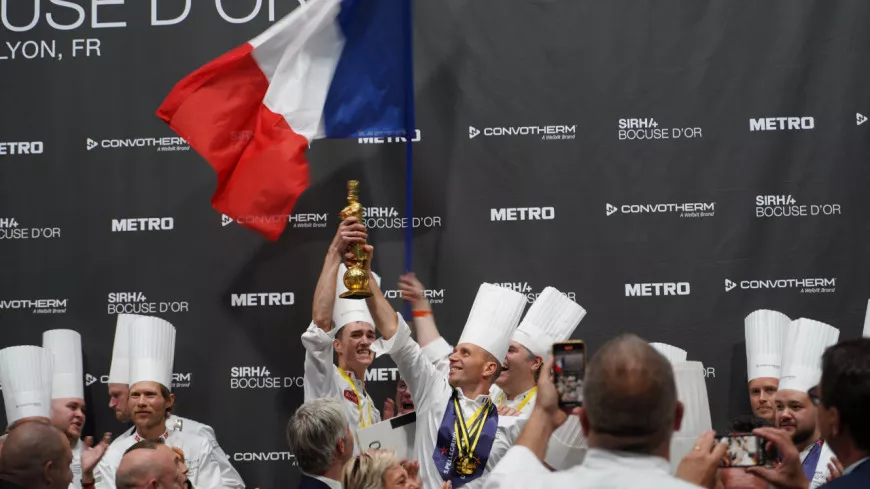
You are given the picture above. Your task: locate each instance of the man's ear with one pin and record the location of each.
(336, 345)
(46, 472)
(489, 369)
(584, 422)
(536, 365)
(171, 401)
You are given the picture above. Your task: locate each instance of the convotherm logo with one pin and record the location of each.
(376, 138)
(17, 148)
(530, 293)
(10, 229)
(35, 306)
(785, 205)
(263, 299)
(647, 129)
(389, 218)
(168, 143)
(656, 289)
(299, 220)
(435, 296)
(260, 377)
(802, 285)
(264, 457)
(687, 210)
(556, 132)
(179, 380)
(860, 118)
(522, 214)
(782, 124)
(140, 224)
(138, 303)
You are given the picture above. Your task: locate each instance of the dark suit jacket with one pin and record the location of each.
(857, 479)
(306, 482)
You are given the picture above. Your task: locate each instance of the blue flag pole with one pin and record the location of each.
(410, 133)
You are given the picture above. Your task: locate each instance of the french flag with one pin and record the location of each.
(329, 69)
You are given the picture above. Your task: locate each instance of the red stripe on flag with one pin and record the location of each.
(259, 160)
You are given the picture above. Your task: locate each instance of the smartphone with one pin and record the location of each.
(569, 370)
(745, 450)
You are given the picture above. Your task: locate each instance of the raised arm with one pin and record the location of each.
(349, 231)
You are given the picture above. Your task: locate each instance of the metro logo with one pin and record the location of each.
(143, 224)
(21, 148)
(657, 289)
(782, 124)
(522, 214)
(263, 299)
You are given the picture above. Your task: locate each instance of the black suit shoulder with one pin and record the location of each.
(857, 479)
(306, 482)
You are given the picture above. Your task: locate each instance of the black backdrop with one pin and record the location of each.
(608, 117)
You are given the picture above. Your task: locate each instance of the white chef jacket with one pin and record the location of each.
(821, 475)
(204, 470)
(432, 392)
(76, 466)
(229, 475)
(602, 469)
(566, 448)
(323, 379)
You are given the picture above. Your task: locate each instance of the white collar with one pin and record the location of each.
(480, 398)
(521, 396)
(627, 460)
(332, 483)
(855, 465)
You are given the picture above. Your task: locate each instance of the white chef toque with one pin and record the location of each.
(806, 341)
(567, 446)
(346, 311)
(68, 378)
(493, 319)
(119, 372)
(553, 317)
(152, 351)
(672, 353)
(26, 376)
(765, 332)
(866, 333)
(692, 392)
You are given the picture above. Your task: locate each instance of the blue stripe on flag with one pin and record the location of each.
(367, 94)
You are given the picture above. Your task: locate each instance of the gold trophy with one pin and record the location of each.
(356, 279)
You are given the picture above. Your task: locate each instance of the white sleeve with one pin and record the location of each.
(208, 474)
(425, 382)
(518, 468)
(229, 475)
(319, 369)
(104, 472)
(437, 353)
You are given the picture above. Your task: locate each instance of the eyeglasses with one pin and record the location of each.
(814, 395)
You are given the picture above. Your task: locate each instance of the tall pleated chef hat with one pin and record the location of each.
(765, 332)
(672, 353)
(26, 376)
(152, 351)
(68, 373)
(806, 341)
(692, 392)
(494, 317)
(553, 317)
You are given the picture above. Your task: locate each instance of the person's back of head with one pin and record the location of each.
(630, 398)
(844, 393)
(320, 437)
(36, 455)
(150, 463)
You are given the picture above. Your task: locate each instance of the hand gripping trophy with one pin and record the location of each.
(356, 279)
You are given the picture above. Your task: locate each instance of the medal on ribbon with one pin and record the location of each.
(463, 445)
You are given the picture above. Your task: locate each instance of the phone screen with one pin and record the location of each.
(744, 450)
(569, 370)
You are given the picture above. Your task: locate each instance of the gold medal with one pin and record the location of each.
(465, 466)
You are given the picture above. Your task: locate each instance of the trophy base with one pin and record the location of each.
(362, 294)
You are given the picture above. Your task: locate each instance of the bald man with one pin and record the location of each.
(35, 455)
(151, 464)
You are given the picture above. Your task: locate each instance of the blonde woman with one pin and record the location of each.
(380, 469)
